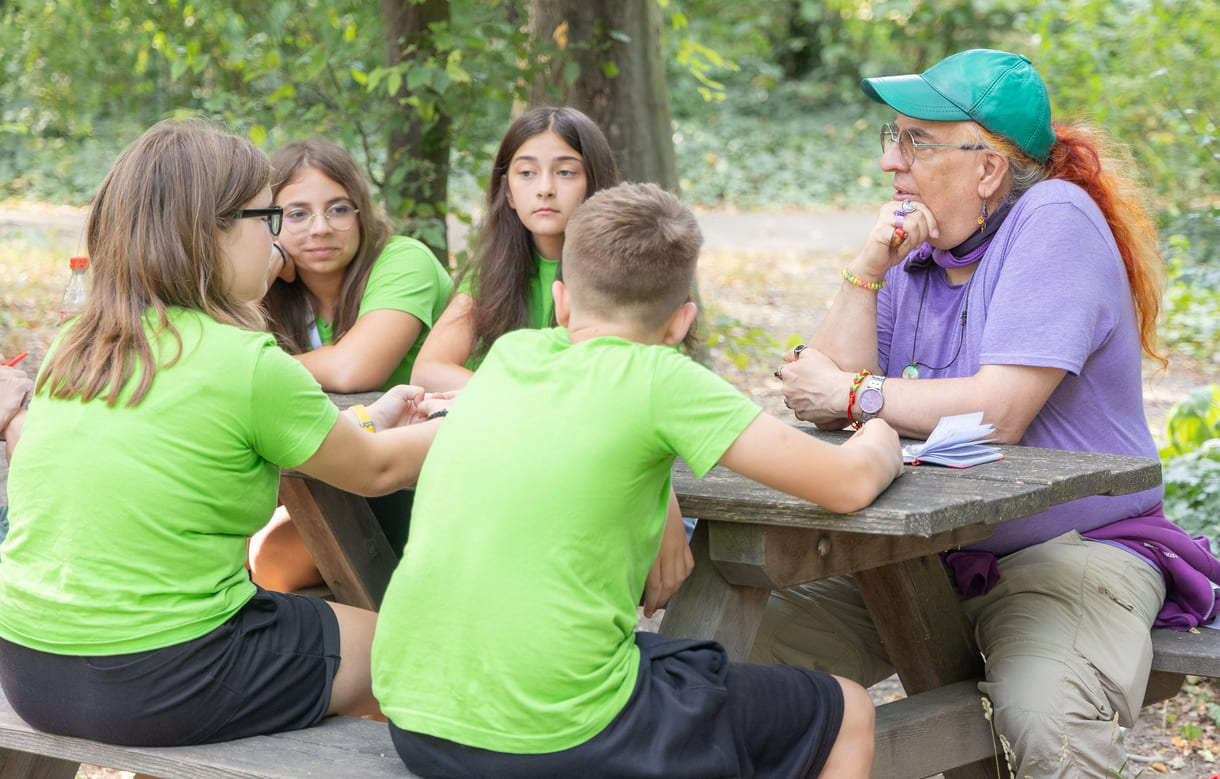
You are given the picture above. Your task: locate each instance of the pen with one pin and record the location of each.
(16, 359)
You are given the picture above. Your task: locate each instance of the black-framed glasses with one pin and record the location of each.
(273, 216)
(908, 146)
(340, 216)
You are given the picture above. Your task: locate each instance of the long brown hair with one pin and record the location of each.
(1089, 158)
(287, 303)
(153, 232)
(504, 260)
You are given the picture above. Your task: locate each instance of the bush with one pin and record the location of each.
(1191, 462)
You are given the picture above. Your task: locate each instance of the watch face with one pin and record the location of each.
(870, 401)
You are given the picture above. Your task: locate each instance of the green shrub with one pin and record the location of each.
(1191, 462)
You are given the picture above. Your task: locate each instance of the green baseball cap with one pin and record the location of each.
(1000, 91)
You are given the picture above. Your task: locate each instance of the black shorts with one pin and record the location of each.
(268, 668)
(692, 714)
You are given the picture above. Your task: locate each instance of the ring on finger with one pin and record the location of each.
(796, 350)
(897, 237)
(907, 206)
(779, 373)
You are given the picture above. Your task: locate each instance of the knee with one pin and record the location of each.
(859, 714)
(1055, 715)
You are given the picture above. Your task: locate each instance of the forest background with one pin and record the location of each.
(738, 106)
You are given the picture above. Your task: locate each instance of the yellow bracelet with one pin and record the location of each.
(862, 284)
(362, 414)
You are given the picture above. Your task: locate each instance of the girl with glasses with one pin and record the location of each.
(152, 449)
(353, 304)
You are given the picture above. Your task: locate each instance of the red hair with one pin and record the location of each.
(1088, 158)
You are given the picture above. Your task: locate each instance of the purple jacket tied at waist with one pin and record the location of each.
(1188, 565)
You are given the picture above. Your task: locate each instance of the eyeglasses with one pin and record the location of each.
(907, 145)
(340, 216)
(273, 216)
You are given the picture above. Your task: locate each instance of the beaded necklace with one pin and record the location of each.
(964, 254)
(911, 371)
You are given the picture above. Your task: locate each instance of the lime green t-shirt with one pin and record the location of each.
(128, 525)
(406, 277)
(509, 623)
(541, 302)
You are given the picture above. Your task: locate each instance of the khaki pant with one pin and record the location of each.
(1065, 635)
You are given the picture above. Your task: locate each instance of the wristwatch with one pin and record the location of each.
(871, 399)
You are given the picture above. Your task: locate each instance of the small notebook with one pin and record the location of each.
(958, 441)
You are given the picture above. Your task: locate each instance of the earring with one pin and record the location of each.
(983, 218)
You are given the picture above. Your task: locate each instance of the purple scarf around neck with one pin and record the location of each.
(970, 250)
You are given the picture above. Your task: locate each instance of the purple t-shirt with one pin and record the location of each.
(1051, 291)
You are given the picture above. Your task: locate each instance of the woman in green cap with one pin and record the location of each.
(1014, 272)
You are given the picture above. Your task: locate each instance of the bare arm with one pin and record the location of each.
(364, 463)
(841, 478)
(1010, 396)
(12, 433)
(674, 561)
(848, 334)
(15, 390)
(363, 359)
(441, 364)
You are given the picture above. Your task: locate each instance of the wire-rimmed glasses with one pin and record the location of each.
(340, 216)
(908, 146)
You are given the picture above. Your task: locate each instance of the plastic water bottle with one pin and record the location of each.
(77, 289)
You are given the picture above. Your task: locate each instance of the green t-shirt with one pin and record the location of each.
(509, 623)
(128, 526)
(541, 302)
(406, 277)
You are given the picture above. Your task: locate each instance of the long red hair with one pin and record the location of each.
(1089, 158)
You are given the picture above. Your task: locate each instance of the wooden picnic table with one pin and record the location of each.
(751, 540)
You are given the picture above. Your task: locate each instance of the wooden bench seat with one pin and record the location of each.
(337, 747)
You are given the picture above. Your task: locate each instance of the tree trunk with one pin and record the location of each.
(620, 86)
(621, 82)
(417, 150)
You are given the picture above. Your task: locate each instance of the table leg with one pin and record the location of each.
(29, 766)
(707, 606)
(926, 634)
(347, 544)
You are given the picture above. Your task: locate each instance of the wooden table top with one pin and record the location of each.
(927, 499)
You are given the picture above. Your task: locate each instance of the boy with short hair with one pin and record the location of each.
(505, 644)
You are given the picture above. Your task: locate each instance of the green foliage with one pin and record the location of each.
(1135, 67)
(1193, 422)
(277, 70)
(744, 346)
(1192, 294)
(1191, 462)
(762, 151)
(1192, 489)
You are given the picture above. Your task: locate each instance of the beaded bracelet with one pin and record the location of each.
(861, 283)
(851, 394)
